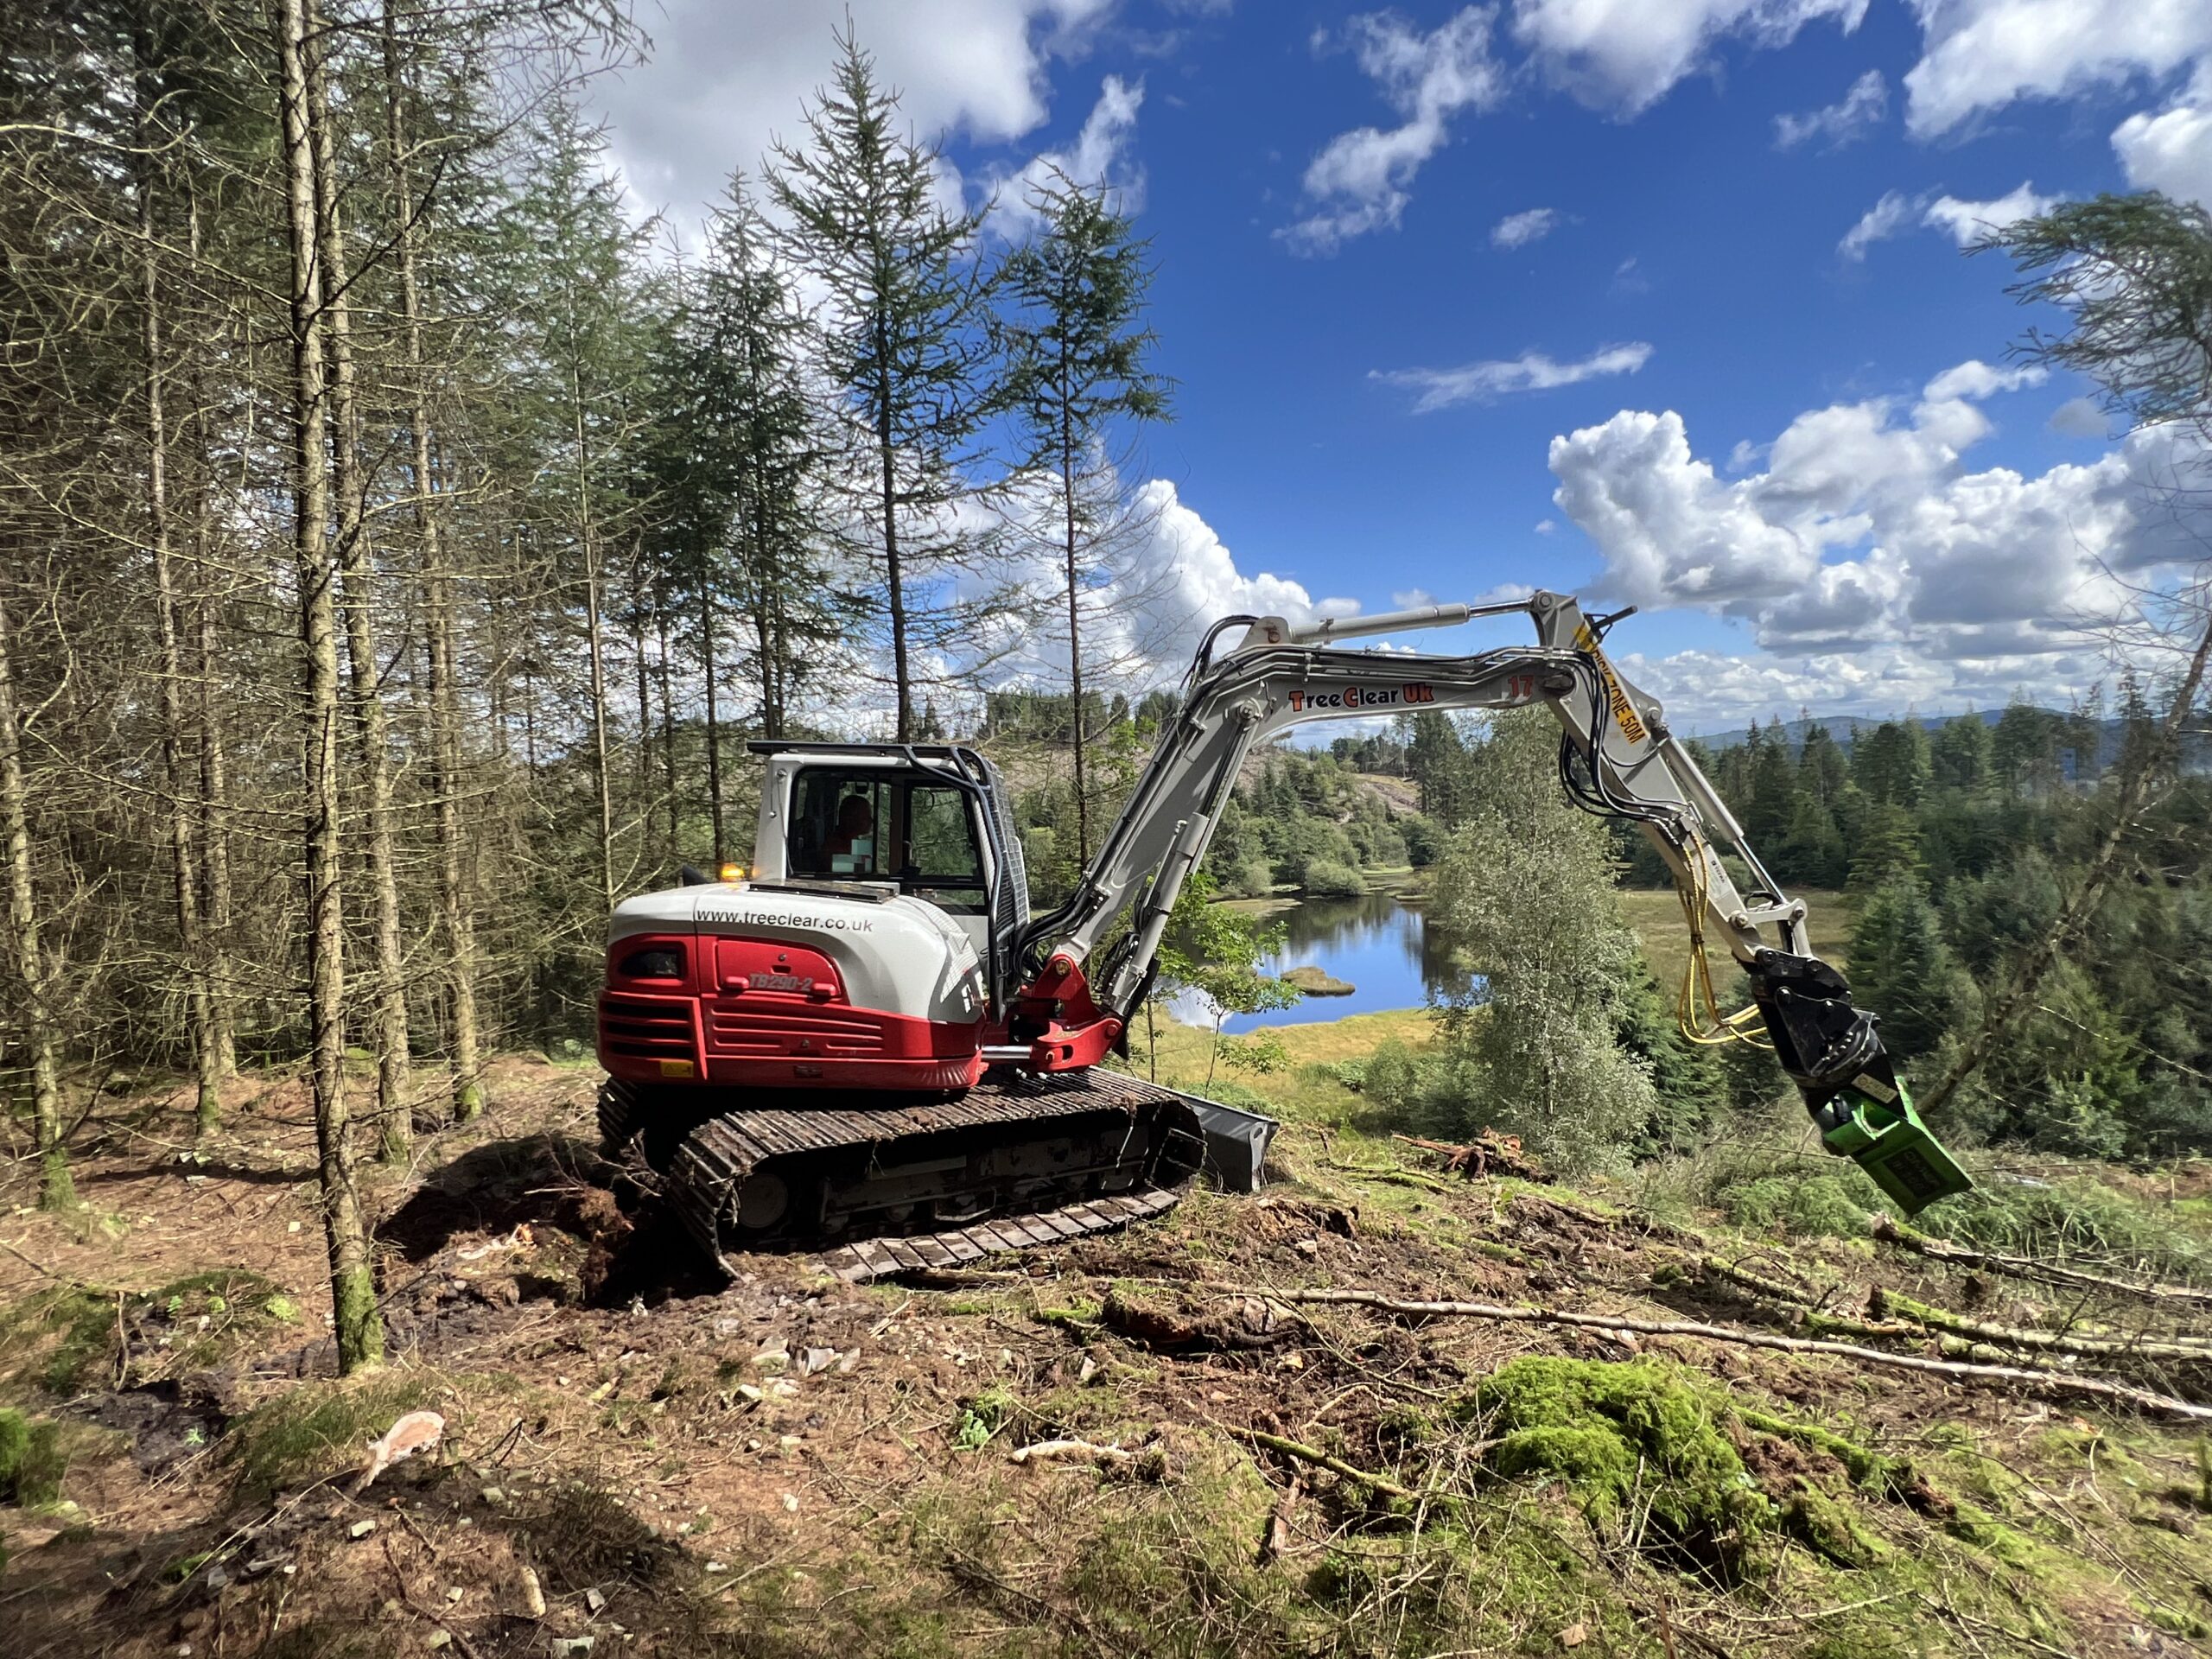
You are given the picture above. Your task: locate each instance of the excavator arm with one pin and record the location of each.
(1082, 977)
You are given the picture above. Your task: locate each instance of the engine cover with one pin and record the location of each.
(825, 985)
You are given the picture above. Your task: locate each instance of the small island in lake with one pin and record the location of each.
(1318, 982)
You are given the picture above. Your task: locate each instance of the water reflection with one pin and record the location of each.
(1380, 943)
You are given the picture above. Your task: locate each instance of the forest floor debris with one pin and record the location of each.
(1262, 1425)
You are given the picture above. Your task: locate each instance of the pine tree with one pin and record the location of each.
(907, 342)
(1081, 370)
(1902, 970)
(360, 1327)
(1959, 757)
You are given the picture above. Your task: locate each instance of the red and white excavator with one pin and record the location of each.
(868, 1043)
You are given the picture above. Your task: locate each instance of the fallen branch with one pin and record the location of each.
(1085, 1449)
(2039, 1381)
(1489, 1153)
(1335, 1465)
(2010, 1336)
(2025, 1267)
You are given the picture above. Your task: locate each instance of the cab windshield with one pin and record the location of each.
(874, 825)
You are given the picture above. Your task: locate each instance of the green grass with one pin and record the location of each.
(1656, 917)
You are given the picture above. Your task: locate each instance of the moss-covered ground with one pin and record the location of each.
(789, 1466)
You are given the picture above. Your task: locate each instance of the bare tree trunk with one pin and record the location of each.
(714, 714)
(584, 528)
(215, 845)
(214, 829)
(360, 1328)
(27, 967)
(455, 913)
(357, 563)
(887, 459)
(1075, 618)
(184, 876)
(667, 723)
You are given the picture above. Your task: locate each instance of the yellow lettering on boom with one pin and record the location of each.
(1624, 715)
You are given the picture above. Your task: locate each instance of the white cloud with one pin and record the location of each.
(1099, 156)
(1861, 108)
(1878, 224)
(1169, 576)
(1436, 389)
(2172, 150)
(1518, 230)
(726, 76)
(1981, 55)
(1964, 222)
(1361, 180)
(1976, 379)
(1625, 56)
(1967, 222)
(1867, 532)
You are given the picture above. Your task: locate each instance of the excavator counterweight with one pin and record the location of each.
(869, 1044)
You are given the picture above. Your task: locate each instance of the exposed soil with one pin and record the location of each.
(788, 1464)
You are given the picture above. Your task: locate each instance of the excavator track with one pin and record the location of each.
(1018, 1161)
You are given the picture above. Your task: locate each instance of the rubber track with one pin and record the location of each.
(881, 1258)
(714, 1157)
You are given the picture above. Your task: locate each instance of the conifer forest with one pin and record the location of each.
(405, 538)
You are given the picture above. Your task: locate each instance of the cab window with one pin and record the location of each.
(879, 826)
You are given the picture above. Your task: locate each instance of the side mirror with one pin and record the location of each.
(692, 876)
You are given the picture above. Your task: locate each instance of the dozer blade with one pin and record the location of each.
(1894, 1146)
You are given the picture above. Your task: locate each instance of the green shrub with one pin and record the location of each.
(1391, 1076)
(1327, 879)
(1828, 1204)
(1254, 879)
(31, 1460)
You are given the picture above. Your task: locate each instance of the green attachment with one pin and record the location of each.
(1894, 1147)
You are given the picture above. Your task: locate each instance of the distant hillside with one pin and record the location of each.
(2196, 752)
(1841, 727)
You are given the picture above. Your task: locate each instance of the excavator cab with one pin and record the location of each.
(931, 821)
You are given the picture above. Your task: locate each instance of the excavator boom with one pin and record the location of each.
(1618, 757)
(871, 1035)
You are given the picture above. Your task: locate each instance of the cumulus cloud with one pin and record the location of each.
(1838, 123)
(1623, 55)
(2172, 150)
(1518, 230)
(1435, 388)
(1979, 55)
(1165, 579)
(1967, 222)
(1099, 156)
(1867, 529)
(1361, 180)
(728, 76)
(1878, 222)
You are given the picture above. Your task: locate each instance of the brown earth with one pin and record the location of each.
(612, 1429)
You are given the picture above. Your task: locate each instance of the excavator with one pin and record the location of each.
(867, 1043)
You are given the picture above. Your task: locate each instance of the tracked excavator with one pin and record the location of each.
(867, 1044)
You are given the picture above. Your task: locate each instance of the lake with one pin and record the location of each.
(1379, 943)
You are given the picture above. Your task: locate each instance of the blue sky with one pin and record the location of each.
(1678, 377)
